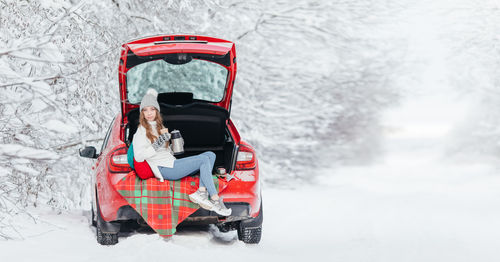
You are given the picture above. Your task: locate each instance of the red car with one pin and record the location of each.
(194, 76)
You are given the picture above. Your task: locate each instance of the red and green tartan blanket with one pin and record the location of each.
(163, 205)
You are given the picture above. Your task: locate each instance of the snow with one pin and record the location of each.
(14, 150)
(26, 169)
(397, 210)
(59, 126)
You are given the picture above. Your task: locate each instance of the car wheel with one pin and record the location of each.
(107, 232)
(93, 221)
(250, 231)
(106, 238)
(92, 211)
(250, 235)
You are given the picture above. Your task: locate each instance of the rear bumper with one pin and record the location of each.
(240, 211)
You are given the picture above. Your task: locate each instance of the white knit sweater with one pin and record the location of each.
(143, 150)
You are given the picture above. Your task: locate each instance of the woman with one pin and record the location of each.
(151, 144)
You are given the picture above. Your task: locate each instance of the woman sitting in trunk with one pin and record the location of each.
(151, 144)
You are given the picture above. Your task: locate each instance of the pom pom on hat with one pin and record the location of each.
(150, 99)
(152, 92)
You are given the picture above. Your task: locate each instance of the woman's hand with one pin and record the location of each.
(163, 131)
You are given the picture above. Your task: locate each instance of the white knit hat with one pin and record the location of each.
(150, 99)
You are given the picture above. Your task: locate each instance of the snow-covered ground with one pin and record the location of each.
(405, 209)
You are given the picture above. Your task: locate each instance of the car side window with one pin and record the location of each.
(106, 138)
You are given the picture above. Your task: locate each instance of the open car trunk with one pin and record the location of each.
(202, 125)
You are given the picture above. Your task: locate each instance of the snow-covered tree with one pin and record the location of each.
(470, 30)
(313, 78)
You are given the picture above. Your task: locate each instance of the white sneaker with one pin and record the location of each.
(201, 198)
(219, 207)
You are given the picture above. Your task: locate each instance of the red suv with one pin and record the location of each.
(194, 76)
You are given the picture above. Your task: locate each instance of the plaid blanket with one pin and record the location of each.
(162, 205)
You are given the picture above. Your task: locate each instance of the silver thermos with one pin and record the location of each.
(177, 142)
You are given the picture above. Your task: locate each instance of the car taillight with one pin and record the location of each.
(118, 161)
(245, 158)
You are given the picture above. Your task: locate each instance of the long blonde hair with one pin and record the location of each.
(147, 126)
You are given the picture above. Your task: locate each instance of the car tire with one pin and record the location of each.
(106, 239)
(250, 231)
(250, 235)
(93, 221)
(93, 217)
(103, 234)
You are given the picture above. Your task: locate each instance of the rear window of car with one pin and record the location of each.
(205, 79)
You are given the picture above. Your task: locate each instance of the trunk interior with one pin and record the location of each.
(202, 126)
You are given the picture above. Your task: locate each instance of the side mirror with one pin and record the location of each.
(89, 152)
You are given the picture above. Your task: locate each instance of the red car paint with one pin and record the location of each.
(244, 187)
